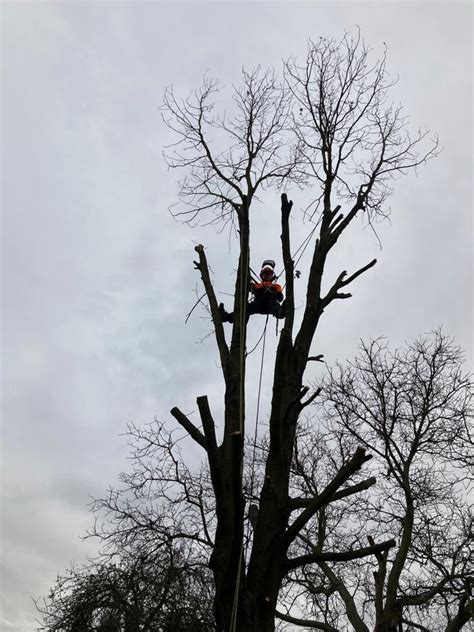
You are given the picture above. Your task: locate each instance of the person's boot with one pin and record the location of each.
(225, 316)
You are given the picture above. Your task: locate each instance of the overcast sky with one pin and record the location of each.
(97, 276)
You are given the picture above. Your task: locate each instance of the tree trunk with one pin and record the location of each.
(267, 563)
(226, 465)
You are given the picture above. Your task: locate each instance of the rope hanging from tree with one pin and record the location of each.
(252, 467)
(244, 273)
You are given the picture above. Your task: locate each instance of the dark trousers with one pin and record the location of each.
(272, 307)
(258, 306)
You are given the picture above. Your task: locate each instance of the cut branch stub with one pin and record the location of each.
(211, 296)
(286, 205)
(188, 425)
(208, 424)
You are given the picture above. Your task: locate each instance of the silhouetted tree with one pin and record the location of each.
(412, 409)
(157, 588)
(327, 125)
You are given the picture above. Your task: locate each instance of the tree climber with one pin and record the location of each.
(267, 296)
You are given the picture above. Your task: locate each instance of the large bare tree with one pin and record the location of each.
(328, 125)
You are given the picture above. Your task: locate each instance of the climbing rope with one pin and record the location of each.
(258, 406)
(254, 451)
(259, 340)
(304, 244)
(242, 322)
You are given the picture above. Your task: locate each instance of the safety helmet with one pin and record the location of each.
(268, 266)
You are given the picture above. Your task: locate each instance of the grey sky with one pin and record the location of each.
(97, 277)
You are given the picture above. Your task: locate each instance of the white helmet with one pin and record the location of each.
(268, 266)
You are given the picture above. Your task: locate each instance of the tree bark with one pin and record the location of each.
(227, 558)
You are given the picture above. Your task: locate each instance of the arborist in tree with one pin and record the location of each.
(267, 296)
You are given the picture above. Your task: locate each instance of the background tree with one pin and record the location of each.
(330, 127)
(412, 409)
(158, 588)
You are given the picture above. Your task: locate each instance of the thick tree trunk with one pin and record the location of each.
(267, 563)
(269, 552)
(246, 599)
(227, 561)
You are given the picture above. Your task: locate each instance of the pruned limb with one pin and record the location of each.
(218, 327)
(286, 206)
(316, 625)
(346, 471)
(208, 424)
(188, 425)
(340, 556)
(338, 219)
(354, 489)
(302, 503)
(316, 358)
(335, 211)
(343, 222)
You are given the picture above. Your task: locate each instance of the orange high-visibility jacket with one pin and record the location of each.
(258, 289)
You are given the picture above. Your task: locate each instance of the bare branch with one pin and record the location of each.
(307, 623)
(194, 307)
(346, 471)
(229, 158)
(301, 503)
(218, 328)
(352, 141)
(341, 281)
(286, 206)
(188, 425)
(340, 556)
